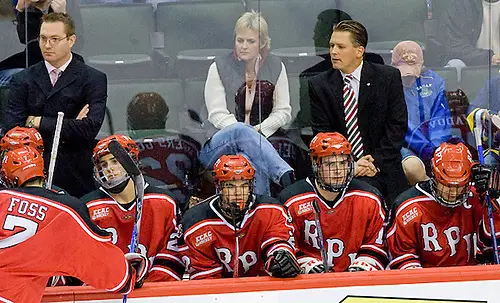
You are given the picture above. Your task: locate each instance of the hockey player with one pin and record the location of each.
(237, 233)
(351, 215)
(112, 207)
(37, 222)
(433, 223)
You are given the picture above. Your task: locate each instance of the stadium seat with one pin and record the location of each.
(197, 25)
(474, 78)
(10, 41)
(120, 93)
(117, 39)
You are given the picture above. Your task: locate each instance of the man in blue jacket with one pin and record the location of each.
(429, 119)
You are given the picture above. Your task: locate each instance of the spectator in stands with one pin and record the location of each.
(61, 83)
(166, 155)
(471, 32)
(322, 33)
(429, 120)
(252, 77)
(258, 84)
(36, 10)
(484, 109)
(372, 112)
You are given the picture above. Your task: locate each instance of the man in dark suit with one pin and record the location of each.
(61, 83)
(364, 102)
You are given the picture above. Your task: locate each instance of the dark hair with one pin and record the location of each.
(324, 25)
(69, 25)
(147, 110)
(359, 35)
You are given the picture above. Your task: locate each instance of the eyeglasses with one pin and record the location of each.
(52, 40)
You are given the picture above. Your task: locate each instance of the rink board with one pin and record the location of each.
(457, 285)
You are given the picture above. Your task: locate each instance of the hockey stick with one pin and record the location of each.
(133, 170)
(489, 206)
(53, 152)
(320, 234)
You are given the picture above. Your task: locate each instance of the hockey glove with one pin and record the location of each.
(311, 265)
(282, 264)
(481, 176)
(361, 265)
(141, 265)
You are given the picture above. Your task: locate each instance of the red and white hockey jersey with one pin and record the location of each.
(159, 229)
(46, 234)
(423, 233)
(352, 229)
(213, 245)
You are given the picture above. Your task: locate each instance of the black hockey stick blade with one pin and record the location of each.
(124, 158)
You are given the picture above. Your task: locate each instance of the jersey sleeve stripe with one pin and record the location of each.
(269, 240)
(2, 299)
(373, 247)
(396, 263)
(168, 272)
(124, 280)
(169, 256)
(410, 202)
(65, 209)
(411, 264)
(391, 231)
(207, 272)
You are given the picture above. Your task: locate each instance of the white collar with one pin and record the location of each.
(51, 67)
(356, 73)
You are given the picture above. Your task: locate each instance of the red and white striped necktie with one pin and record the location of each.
(351, 118)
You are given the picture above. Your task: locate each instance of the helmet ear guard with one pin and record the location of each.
(452, 174)
(335, 147)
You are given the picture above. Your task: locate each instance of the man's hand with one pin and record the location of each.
(33, 121)
(495, 60)
(58, 6)
(141, 265)
(83, 113)
(40, 4)
(364, 167)
(282, 264)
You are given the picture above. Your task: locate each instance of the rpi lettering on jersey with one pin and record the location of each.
(27, 208)
(100, 213)
(335, 247)
(305, 208)
(203, 238)
(452, 234)
(410, 215)
(247, 259)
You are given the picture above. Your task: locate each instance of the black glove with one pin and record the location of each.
(481, 176)
(141, 265)
(282, 264)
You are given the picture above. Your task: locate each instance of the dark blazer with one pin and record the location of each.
(382, 115)
(31, 93)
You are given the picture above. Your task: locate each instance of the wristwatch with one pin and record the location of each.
(31, 123)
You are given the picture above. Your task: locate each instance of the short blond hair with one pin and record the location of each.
(254, 21)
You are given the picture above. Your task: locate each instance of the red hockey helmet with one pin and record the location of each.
(234, 177)
(111, 174)
(333, 164)
(451, 169)
(20, 136)
(21, 165)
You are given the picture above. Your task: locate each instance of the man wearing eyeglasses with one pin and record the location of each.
(61, 83)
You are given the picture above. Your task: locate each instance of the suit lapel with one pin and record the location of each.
(42, 78)
(336, 86)
(67, 77)
(366, 88)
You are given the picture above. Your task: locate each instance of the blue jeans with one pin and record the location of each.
(241, 138)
